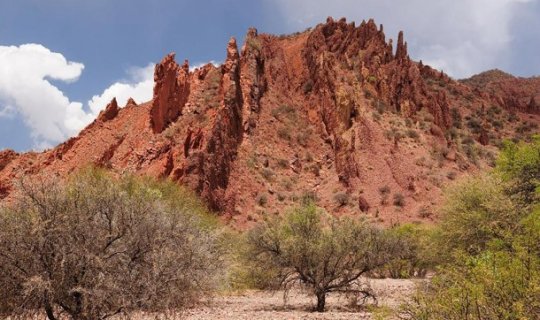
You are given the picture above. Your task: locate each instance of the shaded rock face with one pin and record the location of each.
(331, 110)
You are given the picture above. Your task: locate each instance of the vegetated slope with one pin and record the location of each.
(333, 113)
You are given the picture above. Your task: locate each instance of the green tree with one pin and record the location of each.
(491, 242)
(327, 254)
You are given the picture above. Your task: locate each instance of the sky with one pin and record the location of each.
(62, 61)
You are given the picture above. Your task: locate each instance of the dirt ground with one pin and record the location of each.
(257, 305)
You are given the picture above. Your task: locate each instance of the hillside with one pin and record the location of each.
(333, 113)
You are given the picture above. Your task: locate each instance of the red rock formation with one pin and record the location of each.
(329, 110)
(171, 91)
(110, 111)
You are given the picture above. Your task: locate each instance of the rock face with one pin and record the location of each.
(171, 92)
(331, 110)
(111, 111)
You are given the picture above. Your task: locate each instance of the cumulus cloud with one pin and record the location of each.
(26, 90)
(25, 72)
(462, 37)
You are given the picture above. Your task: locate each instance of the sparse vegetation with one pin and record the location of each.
(384, 191)
(399, 200)
(341, 199)
(262, 199)
(268, 174)
(284, 132)
(413, 134)
(95, 247)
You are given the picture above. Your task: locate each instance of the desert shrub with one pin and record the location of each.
(424, 212)
(471, 152)
(96, 246)
(489, 237)
(327, 254)
(456, 118)
(399, 200)
(498, 124)
(341, 199)
(474, 125)
(309, 197)
(262, 199)
(468, 140)
(512, 117)
(451, 175)
(384, 191)
(284, 132)
(408, 123)
(268, 174)
(284, 111)
(303, 137)
(417, 254)
(283, 163)
(413, 134)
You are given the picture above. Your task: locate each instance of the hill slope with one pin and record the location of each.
(332, 113)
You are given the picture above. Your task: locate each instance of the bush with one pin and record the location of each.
(490, 235)
(95, 247)
(284, 133)
(341, 198)
(262, 199)
(384, 191)
(417, 254)
(399, 200)
(413, 134)
(327, 254)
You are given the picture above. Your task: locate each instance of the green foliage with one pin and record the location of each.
(477, 211)
(490, 240)
(310, 247)
(418, 252)
(520, 165)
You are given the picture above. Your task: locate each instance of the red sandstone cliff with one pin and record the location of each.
(331, 113)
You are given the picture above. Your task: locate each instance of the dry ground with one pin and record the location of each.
(257, 305)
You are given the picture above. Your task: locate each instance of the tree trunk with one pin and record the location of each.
(321, 301)
(49, 310)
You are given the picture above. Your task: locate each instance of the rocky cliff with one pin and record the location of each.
(333, 114)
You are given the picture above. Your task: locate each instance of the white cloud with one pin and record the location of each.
(462, 37)
(24, 86)
(25, 90)
(139, 86)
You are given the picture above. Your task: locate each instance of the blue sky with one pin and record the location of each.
(61, 60)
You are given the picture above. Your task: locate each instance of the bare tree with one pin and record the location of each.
(325, 253)
(96, 247)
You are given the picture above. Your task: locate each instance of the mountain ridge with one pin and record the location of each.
(332, 114)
